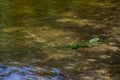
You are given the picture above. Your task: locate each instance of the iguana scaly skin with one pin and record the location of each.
(83, 44)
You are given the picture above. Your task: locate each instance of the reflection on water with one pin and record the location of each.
(28, 73)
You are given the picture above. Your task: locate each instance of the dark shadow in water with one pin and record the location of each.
(114, 62)
(19, 54)
(115, 66)
(107, 60)
(86, 31)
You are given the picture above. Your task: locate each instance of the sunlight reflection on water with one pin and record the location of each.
(26, 73)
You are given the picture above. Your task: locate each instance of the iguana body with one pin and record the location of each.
(83, 44)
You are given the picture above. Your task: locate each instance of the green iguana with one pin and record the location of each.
(83, 44)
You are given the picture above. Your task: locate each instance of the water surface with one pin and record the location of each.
(32, 35)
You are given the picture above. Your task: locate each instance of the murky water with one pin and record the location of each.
(33, 34)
